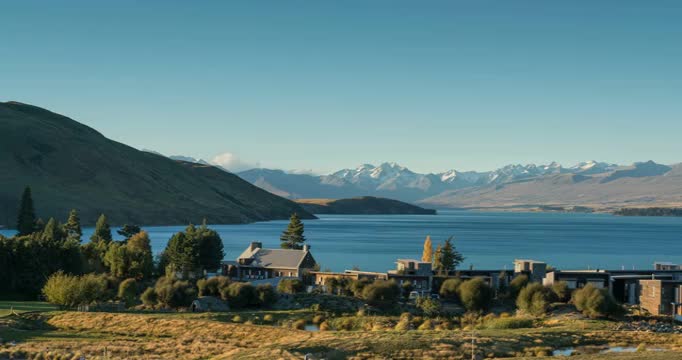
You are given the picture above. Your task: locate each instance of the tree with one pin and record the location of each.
(561, 291)
(174, 293)
(51, 233)
(26, 219)
(182, 252)
(149, 297)
(141, 260)
(127, 231)
(266, 294)
(292, 237)
(240, 295)
(595, 302)
(475, 294)
(211, 251)
(438, 259)
(427, 254)
(515, 286)
(450, 257)
(72, 228)
(102, 231)
(212, 286)
(430, 307)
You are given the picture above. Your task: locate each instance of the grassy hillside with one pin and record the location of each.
(69, 165)
(368, 205)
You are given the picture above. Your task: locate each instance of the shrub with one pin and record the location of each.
(450, 289)
(475, 294)
(174, 293)
(428, 306)
(508, 323)
(318, 319)
(127, 291)
(268, 318)
(381, 293)
(240, 295)
(406, 288)
(534, 299)
(595, 302)
(516, 285)
(266, 294)
(426, 325)
(290, 286)
(324, 326)
(212, 286)
(561, 291)
(299, 324)
(149, 297)
(237, 319)
(71, 291)
(358, 286)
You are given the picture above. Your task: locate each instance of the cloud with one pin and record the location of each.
(232, 162)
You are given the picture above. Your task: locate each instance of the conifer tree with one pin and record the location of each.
(73, 226)
(26, 220)
(102, 231)
(127, 231)
(51, 232)
(450, 257)
(427, 255)
(292, 237)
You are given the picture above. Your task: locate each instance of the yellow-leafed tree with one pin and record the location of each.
(427, 255)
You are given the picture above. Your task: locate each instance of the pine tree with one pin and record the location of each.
(292, 237)
(127, 231)
(51, 232)
(26, 220)
(427, 255)
(102, 231)
(450, 257)
(73, 226)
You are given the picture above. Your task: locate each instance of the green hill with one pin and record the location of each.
(364, 205)
(69, 165)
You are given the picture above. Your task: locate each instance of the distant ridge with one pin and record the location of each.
(69, 165)
(364, 205)
(593, 184)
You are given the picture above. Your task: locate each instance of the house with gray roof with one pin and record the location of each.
(258, 263)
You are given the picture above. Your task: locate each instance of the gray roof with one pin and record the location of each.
(274, 258)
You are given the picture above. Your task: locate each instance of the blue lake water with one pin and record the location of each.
(489, 240)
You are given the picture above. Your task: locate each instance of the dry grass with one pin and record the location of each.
(186, 336)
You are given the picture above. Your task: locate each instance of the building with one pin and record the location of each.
(257, 263)
(661, 265)
(418, 273)
(661, 297)
(535, 270)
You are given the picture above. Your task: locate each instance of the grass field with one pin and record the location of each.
(65, 335)
(24, 306)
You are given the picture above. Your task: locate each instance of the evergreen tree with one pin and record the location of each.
(127, 231)
(211, 251)
(292, 237)
(450, 257)
(73, 226)
(182, 253)
(26, 220)
(427, 255)
(102, 231)
(51, 233)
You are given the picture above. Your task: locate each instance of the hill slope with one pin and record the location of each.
(69, 165)
(365, 205)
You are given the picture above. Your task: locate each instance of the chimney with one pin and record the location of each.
(255, 245)
(306, 247)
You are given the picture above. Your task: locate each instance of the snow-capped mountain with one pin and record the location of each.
(189, 159)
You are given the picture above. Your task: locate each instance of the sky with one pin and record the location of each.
(324, 85)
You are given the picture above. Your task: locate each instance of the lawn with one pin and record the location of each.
(24, 306)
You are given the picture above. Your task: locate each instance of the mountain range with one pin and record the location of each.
(593, 184)
(69, 165)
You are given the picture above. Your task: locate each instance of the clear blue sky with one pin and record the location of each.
(322, 85)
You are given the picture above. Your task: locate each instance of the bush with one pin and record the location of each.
(381, 293)
(127, 291)
(475, 294)
(212, 286)
(516, 285)
(290, 286)
(318, 319)
(174, 293)
(266, 295)
(149, 297)
(535, 299)
(358, 286)
(299, 324)
(508, 323)
(595, 302)
(268, 318)
(450, 289)
(240, 295)
(324, 326)
(561, 291)
(71, 291)
(426, 325)
(237, 319)
(428, 306)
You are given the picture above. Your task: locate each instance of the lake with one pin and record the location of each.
(488, 240)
